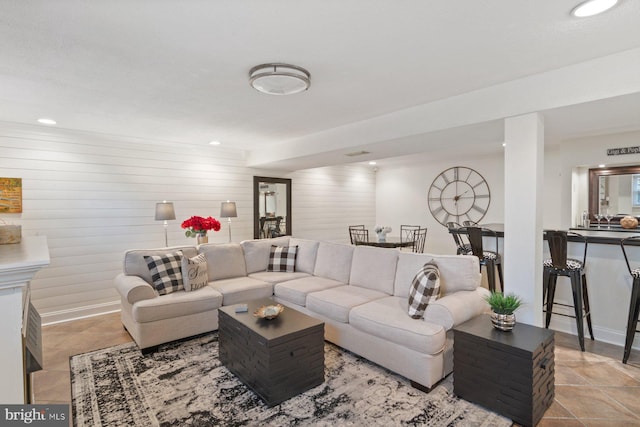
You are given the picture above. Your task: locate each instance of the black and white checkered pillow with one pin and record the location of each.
(194, 272)
(425, 288)
(165, 272)
(283, 258)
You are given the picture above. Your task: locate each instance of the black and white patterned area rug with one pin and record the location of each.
(184, 384)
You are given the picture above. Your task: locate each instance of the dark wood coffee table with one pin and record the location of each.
(511, 373)
(278, 358)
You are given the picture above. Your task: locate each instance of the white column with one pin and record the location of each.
(523, 176)
(18, 264)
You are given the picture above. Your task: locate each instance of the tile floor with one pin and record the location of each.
(593, 389)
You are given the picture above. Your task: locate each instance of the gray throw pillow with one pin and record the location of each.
(194, 272)
(425, 288)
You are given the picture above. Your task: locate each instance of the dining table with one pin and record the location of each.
(390, 242)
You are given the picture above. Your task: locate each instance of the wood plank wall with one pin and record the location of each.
(94, 196)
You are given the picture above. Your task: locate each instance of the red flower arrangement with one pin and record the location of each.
(197, 225)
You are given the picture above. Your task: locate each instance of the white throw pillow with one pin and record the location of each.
(194, 272)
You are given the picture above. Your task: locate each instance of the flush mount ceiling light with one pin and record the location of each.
(279, 79)
(46, 121)
(592, 7)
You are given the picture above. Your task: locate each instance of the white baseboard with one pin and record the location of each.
(568, 325)
(79, 313)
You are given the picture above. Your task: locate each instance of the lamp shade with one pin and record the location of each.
(228, 210)
(165, 211)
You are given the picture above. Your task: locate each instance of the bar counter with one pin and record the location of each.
(602, 235)
(608, 280)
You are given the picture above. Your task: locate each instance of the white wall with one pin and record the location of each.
(401, 198)
(402, 187)
(94, 197)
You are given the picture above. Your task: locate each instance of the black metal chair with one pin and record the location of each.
(490, 259)
(406, 232)
(574, 269)
(634, 303)
(358, 235)
(355, 227)
(462, 247)
(419, 239)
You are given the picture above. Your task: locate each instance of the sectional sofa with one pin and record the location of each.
(360, 292)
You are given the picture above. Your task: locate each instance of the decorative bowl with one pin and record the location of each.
(269, 311)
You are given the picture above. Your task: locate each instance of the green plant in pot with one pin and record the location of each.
(502, 309)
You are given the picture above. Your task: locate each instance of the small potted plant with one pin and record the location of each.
(502, 310)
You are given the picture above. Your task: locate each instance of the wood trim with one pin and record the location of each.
(594, 176)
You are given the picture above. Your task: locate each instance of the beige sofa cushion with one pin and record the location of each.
(307, 252)
(256, 252)
(177, 304)
(241, 289)
(135, 265)
(296, 291)
(387, 318)
(334, 261)
(335, 303)
(277, 276)
(224, 261)
(457, 272)
(374, 268)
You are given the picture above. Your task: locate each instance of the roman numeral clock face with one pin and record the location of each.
(459, 194)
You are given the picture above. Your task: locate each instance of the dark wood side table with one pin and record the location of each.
(511, 373)
(278, 358)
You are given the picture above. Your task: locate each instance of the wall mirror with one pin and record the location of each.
(614, 191)
(271, 207)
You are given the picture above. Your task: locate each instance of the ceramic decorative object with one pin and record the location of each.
(504, 322)
(202, 238)
(269, 311)
(629, 222)
(10, 234)
(381, 232)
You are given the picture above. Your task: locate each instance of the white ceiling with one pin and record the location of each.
(178, 70)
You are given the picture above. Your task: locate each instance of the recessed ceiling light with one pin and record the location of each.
(601, 166)
(504, 144)
(372, 163)
(592, 7)
(214, 143)
(46, 121)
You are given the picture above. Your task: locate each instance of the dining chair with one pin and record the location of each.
(419, 238)
(634, 303)
(358, 235)
(406, 232)
(462, 247)
(560, 265)
(490, 259)
(355, 227)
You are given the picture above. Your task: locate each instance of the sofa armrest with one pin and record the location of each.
(456, 308)
(134, 288)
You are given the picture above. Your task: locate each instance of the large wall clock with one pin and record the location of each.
(459, 194)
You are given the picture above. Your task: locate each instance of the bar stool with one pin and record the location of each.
(489, 259)
(560, 265)
(461, 246)
(634, 304)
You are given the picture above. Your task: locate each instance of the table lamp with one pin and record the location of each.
(164, 212)
(228, 210)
